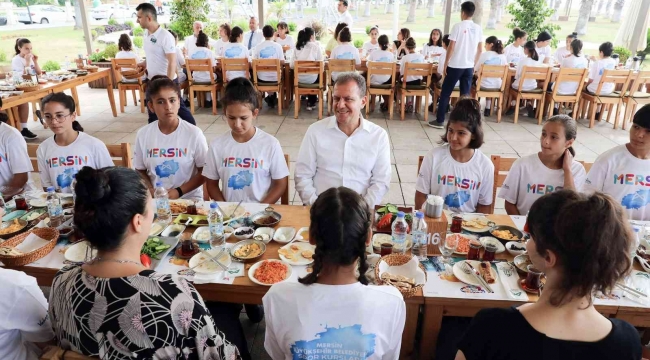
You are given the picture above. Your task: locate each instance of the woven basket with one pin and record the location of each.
(28, 88)
(133, 74)
(51, 234)
(397, 260)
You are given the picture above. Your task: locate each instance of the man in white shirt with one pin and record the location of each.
(465, 47)
(190, 41)
(345, 149)
(344, 14)
(253, 37)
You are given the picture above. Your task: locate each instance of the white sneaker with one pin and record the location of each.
(310, 108)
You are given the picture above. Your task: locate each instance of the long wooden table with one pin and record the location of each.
(11, 103)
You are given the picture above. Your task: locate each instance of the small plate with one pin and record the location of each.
(157, 228)
(518, 244)
(284, 234)
(209, 267)
(169, 231)
(468, 237)
(264, 231)
(37, 203)
(77, 252)
(244, 233)
(255, 266)
(479, 228)
(201, 234)
(237, 246)
(485, 240)
(296, 253)
(303, 234)
(469, 278)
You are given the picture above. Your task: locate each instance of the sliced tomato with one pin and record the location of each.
(145, 260)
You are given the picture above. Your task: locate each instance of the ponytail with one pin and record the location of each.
(304, 36)
(383, 42)
(576, 47)
(497, 45)
(20, 42)
(76, 126)
(532, 51)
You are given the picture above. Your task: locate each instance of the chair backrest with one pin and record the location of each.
(199, 65)
(118, 64)
(284, 200)
(266, 65)
(120, 153)
(340, 65)
(234, 65)
(571, 75)
(501, 168)
(493, 71)
(418, 69)
(642, 78)
(616, 77)
(537, 73)
(308, 67)
(381, 68)
(587, 165)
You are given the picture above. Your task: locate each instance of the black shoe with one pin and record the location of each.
(486, 112)
(570, 114)
(531, 111)
(556, 111)
(254, 312)
(383, 107)
(207, 104)
(431, 107)
(510, 111)
(186, 102)
(28, 134)
(436, 125)
(597, 117)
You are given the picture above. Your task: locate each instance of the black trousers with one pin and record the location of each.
(226, 319)
(183, 112)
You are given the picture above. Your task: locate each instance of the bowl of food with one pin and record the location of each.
(201, 234)
(227, 231)
(516, 247)
(244, 232)
(10, 228)
(264, 234)
(506, 233)
(378, 239)
(269, 272)
(248, 250)
(267, 218)
(284, 234)
(173, 231)
(521, 264)
(156, 229)
(489, 240)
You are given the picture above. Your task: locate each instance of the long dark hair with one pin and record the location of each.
(576, 47)
(240, 91)
(531, 47)
(383, 42)
(340, 224)
(439, 42)
(67, 101)
(235, 33)
(338, 29)
(106, 201)
(19, 43)
(497, 45)
(124, 43)
(202, 39)
(304, 36)
(468, 112)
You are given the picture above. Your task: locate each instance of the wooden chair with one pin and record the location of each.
(501, 168)
(120, 153)
(416, 69)
(284, 200)
(123, 86)
(381, 68)
(305, 67)
(233, 65)
(537, 73)
(635, 97)
(490, 72)
(336, 65)
(614, 99)
(566, 75)
(269, 65)
(201, 86)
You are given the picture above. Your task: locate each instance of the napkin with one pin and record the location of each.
(519, 220)
(31, 243)
(411, 270)
(640, 281)
(510, 280)
(372, 261)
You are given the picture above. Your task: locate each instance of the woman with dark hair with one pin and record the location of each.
(61, 156)
(333, 42)
(493, 55)
(345, 50)
(126, 52)
(307, 49)
(543, 46)
(574, 60)
(414, 57)
(236, 50)
(459, 161)
(582, 244)
(224, 38)
(563, 52)
(372, 44)
(24, 62)
(433, 48)
(127, 310)
(296, 313)
(202, 51)
(515, 51)
(381, 55)
(399, 45)
(282, 37)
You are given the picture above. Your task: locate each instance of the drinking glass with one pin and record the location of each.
(9, 78)
(447, 246)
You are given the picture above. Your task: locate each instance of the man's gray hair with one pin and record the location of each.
(349, 76)
(198, 22)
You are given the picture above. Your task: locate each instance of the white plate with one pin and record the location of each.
(201, 234)
(469, 217)
(77, 252)
(242, 236)
(493, 241)
(37, 203)
(210, 267)
(470, 237)
(171, 228)
(284, 234)
(469, 278)
(266, 231)
(519, 244)
(251, 271)
(298, 258)
(157, 228)
(180, 202)
(302, 234)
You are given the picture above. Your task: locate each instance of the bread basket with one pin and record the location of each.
(50, 234)
(398, 260)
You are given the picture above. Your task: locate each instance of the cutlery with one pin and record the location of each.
(633, 291)
(189, 220)
(644, 263)
(210, 258)
(479, 277)
(237, 207)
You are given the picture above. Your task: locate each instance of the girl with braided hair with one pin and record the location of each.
(334, 303)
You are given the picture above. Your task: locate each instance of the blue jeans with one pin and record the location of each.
(183, 112)
(453, 75)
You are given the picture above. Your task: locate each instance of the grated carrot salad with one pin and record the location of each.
(271, 272)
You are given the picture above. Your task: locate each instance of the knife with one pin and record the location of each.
(479, 277)
(210, 258)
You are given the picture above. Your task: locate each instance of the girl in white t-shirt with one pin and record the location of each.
(458, 171)
(433, 49)
(515, 51)
(307, 49)
(202, 51)
(372, 44)
(598, 67)
(224, 33)
(381, 55)
(565, 51)
(126, 52)
(23, 63)
(61, 156)
(334, 303)
(543, 47)
(551, 169)
(345, 50)
(170, 151)
(531, 59)
(411, 57)
(282, 36)
(493, 55)
(236, 50)
(574, 60)
(248, 161)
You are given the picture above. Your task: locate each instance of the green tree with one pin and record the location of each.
(532, 16)
(185, 13)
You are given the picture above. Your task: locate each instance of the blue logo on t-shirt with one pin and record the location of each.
(346, 55)
(493, 61)
(336, 343)
(636, 200)
(167, 168)
(240, 180)
(202, 54)
(64, 180)
(233, 52)
(267, 52)
(457, 199)
(385, 59)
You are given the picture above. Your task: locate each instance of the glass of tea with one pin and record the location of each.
(456, 223)
(187, 246)
(490, 251)
(474, 252)
(21, 203)
(386, 249)
(534, 278)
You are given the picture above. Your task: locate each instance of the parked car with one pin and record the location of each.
(3, 20)
(110, 11)
(43, 14)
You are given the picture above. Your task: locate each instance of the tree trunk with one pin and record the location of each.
(583, 17)
(77, 16)
(478, 13)
(600, 7)
(420, 4)
(431, 8)
(389, 6)
(456, 7)
(366, 11)
(500, 9)
(556, 10)
(608, 9)
(492, 21)
(412, 6)
(376, 4)
(618, 10)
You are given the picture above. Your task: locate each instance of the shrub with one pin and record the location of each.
(243, 24)
(138, 31)
(358, 43)
(137, 42)
(368, 27)
(319, 29)
(184, 13)
(51, 65)
(293, 26)
(3, 56)
(212, 30)
(110, 51)
(112, 22)
(129, 23)
(623, 54)
(531, 15)
(97, 56)
(272, 22)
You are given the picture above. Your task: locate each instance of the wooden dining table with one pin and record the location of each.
(10, 104)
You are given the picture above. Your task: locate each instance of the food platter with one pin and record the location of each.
(476, 223)
(10, 228)
(267, 218)
(469, 278)
(506, 233)
(248, 250)
(209, 267)
(297, 253)
(268, 267)
(179, 206)
(463, 243)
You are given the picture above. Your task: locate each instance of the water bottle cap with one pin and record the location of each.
(158, 183)
(400, 214)
(213, 205)
(636, 230)
(419, 215)
(50, 188)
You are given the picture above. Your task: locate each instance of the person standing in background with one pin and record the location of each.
(253, 37)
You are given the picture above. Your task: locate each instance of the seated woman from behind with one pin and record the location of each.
(582, 244)
(113, 307)
(334, 304)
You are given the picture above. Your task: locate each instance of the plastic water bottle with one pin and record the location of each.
(67, 62)
(628, 63)
(398, 233)
(419, 235)
(215, 222)
(54, 208)
(162, 204)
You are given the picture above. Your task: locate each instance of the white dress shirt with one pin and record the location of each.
(257, 38)
(329, 158)
(346, 17)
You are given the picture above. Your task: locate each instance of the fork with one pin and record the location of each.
(466, 270)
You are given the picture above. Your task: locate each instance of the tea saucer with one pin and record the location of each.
(522, 285)
(180, 255)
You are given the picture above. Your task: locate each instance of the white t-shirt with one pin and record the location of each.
(571, 62)
(369, 47)
(345, 51)
(561, 54)
(13, 155)
(18, 63)
(58, 165)
(246, 169)
(441, 67)
(156, 47)
(180, 62)
(268, 49)
(462, 185)
(467, 36)
(172, 159)
(202, 53)
(529, 179)
(287, 41)
(218, 47)
(596, 72)
(311, 51)
(625, 177)
(333, 321)
(529, 84)
(380, 56)
(346, 17)
(190, 43)
(432, 50)
(543, 53)
(235, 51)
(23, 316)
(513, 53)
(490, 58)
(410, 58)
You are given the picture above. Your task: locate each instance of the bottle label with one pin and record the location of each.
(162, 205)
(54, 209)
